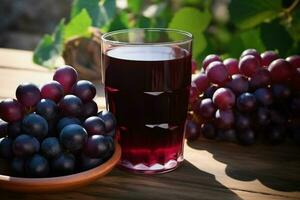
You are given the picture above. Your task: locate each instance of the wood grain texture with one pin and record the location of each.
(211, 170)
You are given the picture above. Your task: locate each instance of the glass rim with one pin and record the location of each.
(189, 36)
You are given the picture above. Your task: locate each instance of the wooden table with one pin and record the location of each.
(211, 170)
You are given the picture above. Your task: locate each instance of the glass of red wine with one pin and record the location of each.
(147, 76)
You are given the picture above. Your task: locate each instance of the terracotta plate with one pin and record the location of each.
(59, 183)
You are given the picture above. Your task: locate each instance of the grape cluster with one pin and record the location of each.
(55, 130)
(254, 98)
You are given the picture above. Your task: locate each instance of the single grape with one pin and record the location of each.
(217, 73)
(252, 52)
(63, 122)
(224, 119)
(18, 167)
(87, 163)
(11, 110)
(25, 145)
(246, 137)
(264, 96)
(238, 84)
(248, 65)
(37, 167)
(262, 116)
(210, 91)
(50, 147)
(261, 78)
(201, 82)
(89, 109)
(52, 90)
(28, 95)
(96, 146)
(228, 135)
(70, 105)
(66, 76)
(192, 130)
(85, 90)
(246, 102)
(242, 121)
(3, 128)
(268, 57)
(47, 109)
(275, 134)
(35, 125)
(94, 126)
(63, 164)
(281, 91)
(280, 70)
(194, 66)
(208, 131)
(209, 59)
(205, 108)
(224, 98)
(294, 61)
(232, 66)
(6, 148)
(73, 137)
(109, 120)
(14, 129)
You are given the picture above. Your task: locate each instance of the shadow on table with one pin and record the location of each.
(277, 167)
(187, 182)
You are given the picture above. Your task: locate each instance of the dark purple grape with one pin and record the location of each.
(228, 135)
(111, 147)
(18, 167)
(14, 129)
(232, 65)
(224, 98)
(268, 57)
(246, 102)
(264, 96)
(262, 116)
(25, 145)
(6, 148)
(3, 128)
(28, 95)
(205, 108)
(63, 122)
(47, 109)
(35, 125)
(70, 105)
(85, 90)
(275, 134)
(281, 91)
(201, 82)
(11, 110)
(280, 70)
(224, 119)
(64, 164)
(73, 137)
(294, 60)
(192, 130)
(37, 166)
(89, 109)
(109, 120)
(238, 84)
(96, 146)
(50, 147)
(52, 90)
(248, 65)
(242, 121)
(87, 163)
(217, 73)
(94, 126)
(210, 91)
(277, 117)
(52, 128)
(246, 137)
(261, 78)
(209, 59)
(254, 53)
(66, 76)
(208, 131)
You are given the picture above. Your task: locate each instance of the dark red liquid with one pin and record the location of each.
(147, 88)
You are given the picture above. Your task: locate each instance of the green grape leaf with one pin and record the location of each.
(121, 21)
(50, 47)
(251, 39)
(110, 9)
(78, 26)
(247, 14)
(194, 21)
(276, 37)
(135, 5)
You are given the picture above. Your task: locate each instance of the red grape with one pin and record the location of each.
(280, 70)
(206, 108)
(224, 119)
(209, 59)
(232, 65)
(217, 73)
(268, 57)
(85, 90)
(201, 82)
(66, 76)
(264, 96)
(52, 90)
(10, 110)
(296, 79)
(28, 94)
(254, 53)
(194, 94)
(261, 78)
(70, 105)
(224, 98)
(248, 65)
(192, 130)
(238, 84)
(294, 60)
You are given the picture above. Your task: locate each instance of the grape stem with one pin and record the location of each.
(292, 7)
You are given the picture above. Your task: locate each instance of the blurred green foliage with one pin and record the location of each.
(217, 26)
